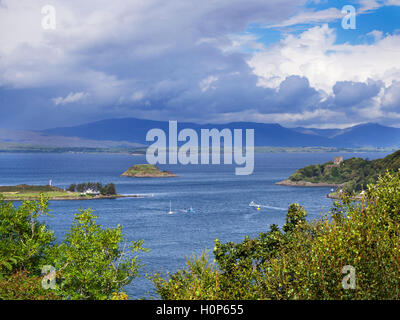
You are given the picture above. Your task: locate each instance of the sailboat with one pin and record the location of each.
(190, 210)
(170, 209)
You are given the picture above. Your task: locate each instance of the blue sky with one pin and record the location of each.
(276, 61)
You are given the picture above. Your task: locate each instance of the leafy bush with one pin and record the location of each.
(239, 271)
(21, 285)
(198, 282)
(367, 237)
(23, 239)
(91, 263)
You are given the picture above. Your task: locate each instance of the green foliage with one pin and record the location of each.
(367, 236)
(24, 188)
(198, 282)
(119, 296)
(72, 188)
(22, 285)
(146, 170)
(91, 263)
(108, 189)
(23, 239)
(296, 216)
(240, 266)
(305, 260)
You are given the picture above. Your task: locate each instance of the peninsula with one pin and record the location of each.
(146, 171)
(28, 192)
(350, 175)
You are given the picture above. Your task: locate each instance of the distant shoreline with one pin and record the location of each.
(142, 151)
(71, 198)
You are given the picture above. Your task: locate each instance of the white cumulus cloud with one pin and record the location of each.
(313, 54)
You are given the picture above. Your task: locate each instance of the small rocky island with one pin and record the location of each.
(146, 171)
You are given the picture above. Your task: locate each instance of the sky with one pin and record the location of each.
(292, 62)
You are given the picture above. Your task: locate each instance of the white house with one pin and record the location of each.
(90, 192)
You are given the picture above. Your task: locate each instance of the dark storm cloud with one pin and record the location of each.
(134, 58)
(175, 59)
(295, 94)
(350, 94)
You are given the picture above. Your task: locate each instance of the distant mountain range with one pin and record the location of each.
(132, 132)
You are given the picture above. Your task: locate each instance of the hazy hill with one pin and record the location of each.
(134, 130)
(131, 132)
(43, 139)
(370, 134)
(363, 135)
(131, 129)
(327, 133)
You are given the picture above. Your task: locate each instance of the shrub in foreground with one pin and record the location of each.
(91, 263)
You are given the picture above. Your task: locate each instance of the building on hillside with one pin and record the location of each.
(337, 160)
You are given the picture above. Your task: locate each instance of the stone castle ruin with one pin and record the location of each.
(337, 160)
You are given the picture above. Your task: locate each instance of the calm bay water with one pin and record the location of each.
(220, 200)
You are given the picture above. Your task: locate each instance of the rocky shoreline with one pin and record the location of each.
(291, 183)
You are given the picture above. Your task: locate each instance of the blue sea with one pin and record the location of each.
(219, 198)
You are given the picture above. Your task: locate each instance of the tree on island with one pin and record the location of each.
(108, 189)
(72, 188)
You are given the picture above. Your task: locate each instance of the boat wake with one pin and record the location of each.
(138, 195)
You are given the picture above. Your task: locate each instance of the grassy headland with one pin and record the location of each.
(28, 192)
(351, 175)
